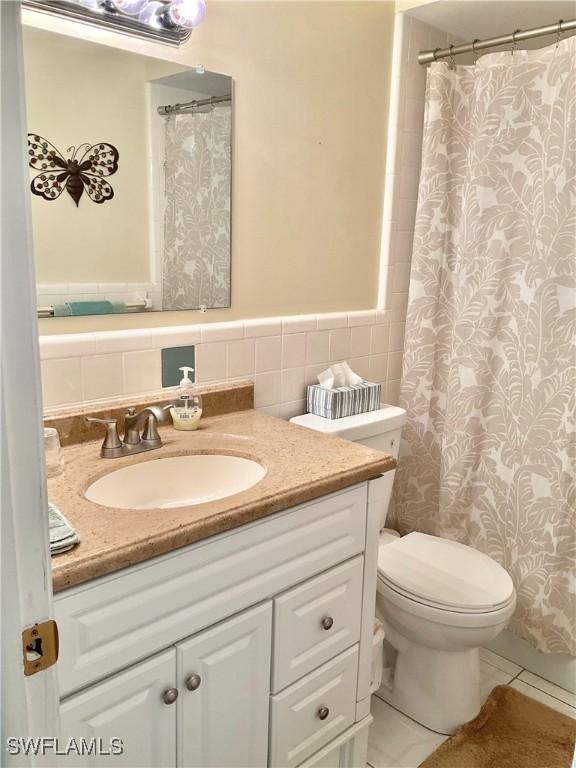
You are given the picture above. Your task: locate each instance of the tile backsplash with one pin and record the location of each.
(281, 354)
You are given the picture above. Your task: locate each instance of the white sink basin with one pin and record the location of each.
(177, 481)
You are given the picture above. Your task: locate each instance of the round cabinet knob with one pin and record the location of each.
(327, 622)
(170, 695)
(193, 682)
(323, 713)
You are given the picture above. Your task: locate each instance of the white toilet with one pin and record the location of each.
(439, 601)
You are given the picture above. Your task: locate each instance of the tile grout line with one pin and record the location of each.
(490, 664)
(436, 733)
(516, 677)
(551, 695)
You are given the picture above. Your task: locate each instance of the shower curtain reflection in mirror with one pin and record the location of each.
(196, 263)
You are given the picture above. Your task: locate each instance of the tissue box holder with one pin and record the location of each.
(343, 401)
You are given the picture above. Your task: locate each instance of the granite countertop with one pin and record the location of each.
(301, 465)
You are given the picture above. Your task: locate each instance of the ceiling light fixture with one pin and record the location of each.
(166, 21)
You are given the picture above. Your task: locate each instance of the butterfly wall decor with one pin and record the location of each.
(73, 175)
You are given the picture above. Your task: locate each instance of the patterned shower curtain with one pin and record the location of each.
(489, 380)
(196, 257)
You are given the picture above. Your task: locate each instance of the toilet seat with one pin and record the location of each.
(444, 575)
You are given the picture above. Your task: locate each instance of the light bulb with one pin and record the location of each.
(131, 7)
(92, 5)
(187, 13)
(151, 14)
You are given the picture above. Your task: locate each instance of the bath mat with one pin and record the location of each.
(511, 731)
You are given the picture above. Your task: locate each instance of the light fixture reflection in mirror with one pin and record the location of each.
(131, 7)
(157, 13)
(170, 21)
(187, 13)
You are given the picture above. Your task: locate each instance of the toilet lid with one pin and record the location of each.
(444, 573)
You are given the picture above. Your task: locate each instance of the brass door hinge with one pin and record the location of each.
(40, 647)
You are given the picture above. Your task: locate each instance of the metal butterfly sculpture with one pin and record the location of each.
(58, 174)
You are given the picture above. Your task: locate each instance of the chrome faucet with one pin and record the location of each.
(134, 441)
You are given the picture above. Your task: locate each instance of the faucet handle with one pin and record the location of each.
(112, 439)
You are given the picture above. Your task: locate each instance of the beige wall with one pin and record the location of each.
(311, 86)
(406, 5)
(80, 92)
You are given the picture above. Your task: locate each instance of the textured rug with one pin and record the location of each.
(511, 731)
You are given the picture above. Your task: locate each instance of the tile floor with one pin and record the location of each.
(396, 741)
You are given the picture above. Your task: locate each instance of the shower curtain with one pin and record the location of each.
(196, 257)
(489, 378)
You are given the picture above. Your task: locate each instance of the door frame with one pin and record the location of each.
(29, 704)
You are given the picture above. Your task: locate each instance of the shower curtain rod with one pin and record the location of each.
(170, 109)
(426, 57)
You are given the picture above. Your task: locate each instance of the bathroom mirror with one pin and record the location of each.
(130, 170)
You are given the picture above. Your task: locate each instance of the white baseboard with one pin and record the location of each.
(557, 668)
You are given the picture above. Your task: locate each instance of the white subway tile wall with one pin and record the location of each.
(102, 375)
(222, 332)
(268, 354)
(62, 380)
(281, 355)
(405, 124)
(293, 350)
(360, 341)
(241, 358)
(141, 370)
(317, 347)
(211, 361)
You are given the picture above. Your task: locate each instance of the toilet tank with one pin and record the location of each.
(379, 429)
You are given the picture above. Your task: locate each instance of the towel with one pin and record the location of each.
(75, 308)
(62, 536)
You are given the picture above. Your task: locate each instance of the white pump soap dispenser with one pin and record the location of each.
(187, 409)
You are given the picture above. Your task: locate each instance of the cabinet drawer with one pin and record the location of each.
(297, 728)
(113, 622)
(315, 621)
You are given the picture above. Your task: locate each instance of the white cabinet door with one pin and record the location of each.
(224, 675)
(129, 707)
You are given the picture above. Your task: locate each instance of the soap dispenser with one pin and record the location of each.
(187, 409)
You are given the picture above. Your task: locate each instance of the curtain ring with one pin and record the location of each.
(559, 32)
(434, 52)
(474, 51)
(514, 43)
(452, 61)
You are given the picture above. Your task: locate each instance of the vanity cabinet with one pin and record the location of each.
(251, 648)
(222, 711)
(129, 706)
(202, 703)
(316, 620)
